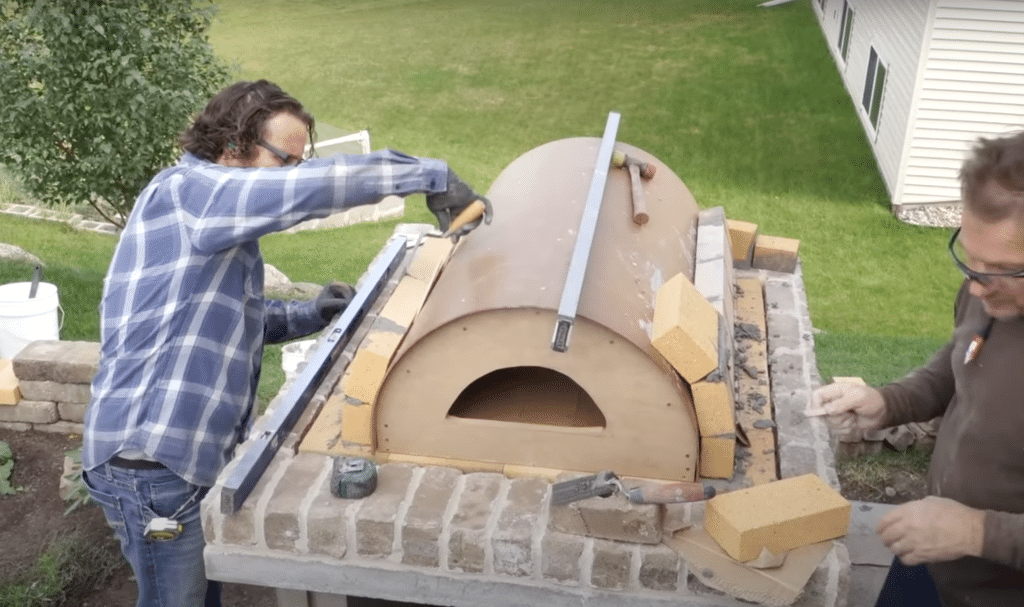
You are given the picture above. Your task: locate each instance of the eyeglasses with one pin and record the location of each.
(287, 160)
(956, 250)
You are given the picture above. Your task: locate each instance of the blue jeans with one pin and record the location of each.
(908, 585)
(168, 573)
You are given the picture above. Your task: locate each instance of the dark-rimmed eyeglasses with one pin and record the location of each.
(984, 278)
(287, 160)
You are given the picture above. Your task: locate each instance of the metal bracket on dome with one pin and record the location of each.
(570, 301)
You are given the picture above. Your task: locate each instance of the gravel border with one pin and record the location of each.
(932, 215)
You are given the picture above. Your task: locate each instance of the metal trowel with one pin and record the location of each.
(605, 483)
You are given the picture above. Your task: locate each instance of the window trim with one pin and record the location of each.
(875, 80)
(845, 29)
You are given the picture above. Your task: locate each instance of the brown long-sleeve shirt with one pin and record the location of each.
(979, 451)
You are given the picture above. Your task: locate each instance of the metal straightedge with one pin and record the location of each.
(254, 461)
(570, 302)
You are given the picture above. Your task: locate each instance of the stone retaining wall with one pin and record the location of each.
(54, 382)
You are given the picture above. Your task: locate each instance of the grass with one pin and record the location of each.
(745, 104)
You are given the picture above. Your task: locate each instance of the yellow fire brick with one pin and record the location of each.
(717, 455)
(10, 394)
(742, 235)
(357, 424)
(716, 411)
(779, 516)
(775, 253)
(685, 329)
(431, 255)
(370, 364)
(325, 432)
(405, 303)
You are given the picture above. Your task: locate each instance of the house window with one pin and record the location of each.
(874, 86)
(821, 3)
(845, 27)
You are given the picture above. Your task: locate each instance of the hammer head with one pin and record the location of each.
(621, 159)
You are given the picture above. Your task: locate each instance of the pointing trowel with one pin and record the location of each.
(605, 483)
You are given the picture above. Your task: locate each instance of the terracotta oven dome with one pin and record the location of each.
(476, 378)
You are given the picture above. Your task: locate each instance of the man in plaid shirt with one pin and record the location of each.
(184, 320)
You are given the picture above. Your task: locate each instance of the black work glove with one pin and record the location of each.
(447, 205)
(334, 298)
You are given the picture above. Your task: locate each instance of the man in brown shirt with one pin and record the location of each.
(969, 531)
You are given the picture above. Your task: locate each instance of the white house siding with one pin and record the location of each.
(896, 31)
(972, 85)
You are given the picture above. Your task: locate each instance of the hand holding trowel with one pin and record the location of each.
(604, 484)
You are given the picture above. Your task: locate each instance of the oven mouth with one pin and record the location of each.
(530, 395)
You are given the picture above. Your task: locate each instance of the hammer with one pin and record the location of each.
(637, 169)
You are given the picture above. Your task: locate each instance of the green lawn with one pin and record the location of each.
(743, 103)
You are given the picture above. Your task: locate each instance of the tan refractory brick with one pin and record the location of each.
(714, 396)
(742, 234)
(779, 516)
(357, 424)
(447, 462)
(717, 456)
(9, 393)
(325, 431)
(370, 365)
(431, 256)
(775, 253)
(685, 329)
(405, 303)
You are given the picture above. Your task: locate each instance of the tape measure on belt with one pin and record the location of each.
(353, 477)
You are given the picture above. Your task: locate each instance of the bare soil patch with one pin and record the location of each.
(34, 517)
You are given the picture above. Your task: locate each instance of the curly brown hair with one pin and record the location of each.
(998, 161)
(234, 118)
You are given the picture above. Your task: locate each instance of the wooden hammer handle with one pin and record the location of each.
(640, 216)
(468, 215)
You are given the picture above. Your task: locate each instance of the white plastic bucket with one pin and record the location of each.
(24, 320)
(292, 355)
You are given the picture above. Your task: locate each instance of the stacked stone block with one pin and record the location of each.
(53, 386)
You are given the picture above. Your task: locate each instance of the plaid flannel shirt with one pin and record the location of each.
(183, 314)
